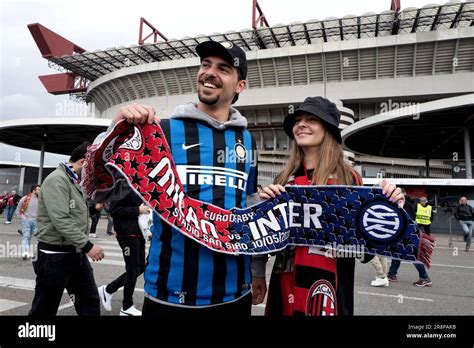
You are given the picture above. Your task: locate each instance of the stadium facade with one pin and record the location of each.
(372, 65)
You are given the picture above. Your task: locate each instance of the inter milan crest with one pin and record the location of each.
(380, 222)
(240, 151)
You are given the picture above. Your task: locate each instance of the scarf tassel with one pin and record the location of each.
(425, 251)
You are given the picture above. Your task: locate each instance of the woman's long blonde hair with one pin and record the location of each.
(330, 162)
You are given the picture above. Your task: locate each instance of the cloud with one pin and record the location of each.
(19, 105)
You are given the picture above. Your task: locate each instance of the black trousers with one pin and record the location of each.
(133, 249)
(94, 221)
(426, 229)
(240, 309)
(56, 272)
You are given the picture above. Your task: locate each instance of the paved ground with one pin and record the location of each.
(452, 273)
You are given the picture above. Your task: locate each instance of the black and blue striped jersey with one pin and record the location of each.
(218, 167)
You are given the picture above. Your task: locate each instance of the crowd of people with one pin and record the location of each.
(184, 279)
(9, 203)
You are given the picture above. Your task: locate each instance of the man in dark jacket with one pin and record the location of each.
(125, 213)
(464, 214)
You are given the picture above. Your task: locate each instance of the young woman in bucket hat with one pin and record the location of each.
(308, 280)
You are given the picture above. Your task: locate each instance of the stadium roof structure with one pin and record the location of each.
(92, 65)
(56, 135)
(430, 130)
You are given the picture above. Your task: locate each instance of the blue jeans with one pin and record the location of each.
(467, 227)
(395, 265)
(10, 210)
(28, 228)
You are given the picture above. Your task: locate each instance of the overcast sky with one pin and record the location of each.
(101, 24)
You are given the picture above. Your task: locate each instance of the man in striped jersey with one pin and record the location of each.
(216, 160)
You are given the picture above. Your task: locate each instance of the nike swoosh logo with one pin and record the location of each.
(187, 147)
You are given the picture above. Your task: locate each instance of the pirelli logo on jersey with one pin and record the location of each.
(215, 176)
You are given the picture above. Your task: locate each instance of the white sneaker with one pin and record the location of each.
(105, 298)
(380, 282)
(131, 312)
(93, 235)
(8, 222)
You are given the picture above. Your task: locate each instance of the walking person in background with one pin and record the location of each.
(380, 265)
(464, 214)
(63, 243)
(125, 213)
(424, 215)
(424, 279)
(3, 201)
(110, 219)
(95, 211)
(12, 203)
(28, 211)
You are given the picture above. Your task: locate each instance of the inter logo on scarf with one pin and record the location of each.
(326, 216)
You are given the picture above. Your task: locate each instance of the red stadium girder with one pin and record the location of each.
(53, 45)
(261, 20)
(64, 83)
(395, 5)
(155, 32)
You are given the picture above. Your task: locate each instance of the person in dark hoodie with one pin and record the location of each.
(215, 156)
(125, 213)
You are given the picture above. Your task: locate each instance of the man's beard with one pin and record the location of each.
(207, 100)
